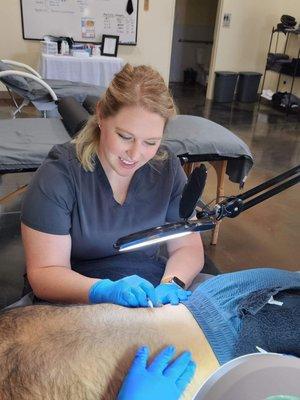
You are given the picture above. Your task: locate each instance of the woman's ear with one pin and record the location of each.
(99, 115)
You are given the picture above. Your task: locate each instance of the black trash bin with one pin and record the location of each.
(248, 86)
(225, 82)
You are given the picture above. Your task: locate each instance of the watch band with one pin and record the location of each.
(173, 279)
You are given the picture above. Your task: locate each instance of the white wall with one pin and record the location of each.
(244, 45)
(154, 40)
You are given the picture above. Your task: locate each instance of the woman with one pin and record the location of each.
(111, 180)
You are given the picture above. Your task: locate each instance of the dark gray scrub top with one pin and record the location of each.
(64, 199)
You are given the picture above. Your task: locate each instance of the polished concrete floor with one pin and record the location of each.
(266, 235)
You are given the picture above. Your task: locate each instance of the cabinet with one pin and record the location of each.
(283, 63)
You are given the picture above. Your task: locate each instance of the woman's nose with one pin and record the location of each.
(134, 151)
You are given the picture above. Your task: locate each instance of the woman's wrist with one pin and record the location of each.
(173, 279)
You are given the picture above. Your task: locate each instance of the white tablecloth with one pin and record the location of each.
(94, 70)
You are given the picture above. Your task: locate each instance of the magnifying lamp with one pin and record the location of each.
(162, 234)
(206, 218)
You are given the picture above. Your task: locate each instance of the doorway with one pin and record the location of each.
(193, 32)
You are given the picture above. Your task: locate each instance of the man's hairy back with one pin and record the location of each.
(78, 352)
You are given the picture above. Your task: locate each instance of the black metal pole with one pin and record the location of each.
(270, 193)
(269, 183)
(264, 76)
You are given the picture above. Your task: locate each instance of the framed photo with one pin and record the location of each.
(109, 45)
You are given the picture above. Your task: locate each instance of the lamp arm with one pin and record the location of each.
(206, 219)
(234, 205)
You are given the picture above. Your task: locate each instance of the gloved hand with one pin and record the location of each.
(162, 379)
(131, 291)
(171, 293)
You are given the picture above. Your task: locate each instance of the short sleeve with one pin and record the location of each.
(48, 203)
(179, 182)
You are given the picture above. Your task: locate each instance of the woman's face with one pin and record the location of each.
(129, 140)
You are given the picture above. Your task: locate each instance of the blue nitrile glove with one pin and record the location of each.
(131, 291)
(171, 293)
(162, 379)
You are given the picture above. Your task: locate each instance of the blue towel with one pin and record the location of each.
(216, 303)
(274, 328)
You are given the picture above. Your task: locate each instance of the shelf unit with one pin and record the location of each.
(277, 67)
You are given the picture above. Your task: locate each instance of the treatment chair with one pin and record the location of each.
(22, 80)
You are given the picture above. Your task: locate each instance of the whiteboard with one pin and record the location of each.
(83, 20)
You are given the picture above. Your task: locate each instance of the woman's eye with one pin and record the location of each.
(151, 143)
(124, 137)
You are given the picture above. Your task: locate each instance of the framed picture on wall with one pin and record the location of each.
(110, 45)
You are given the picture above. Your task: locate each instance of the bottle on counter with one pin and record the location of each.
(64, 49)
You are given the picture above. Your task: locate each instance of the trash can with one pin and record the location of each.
(225, 82)
(248, 86)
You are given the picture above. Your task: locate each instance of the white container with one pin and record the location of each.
(49, 48)
(64, 49)
(96, 51)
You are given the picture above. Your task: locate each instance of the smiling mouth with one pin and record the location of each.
(127, 162)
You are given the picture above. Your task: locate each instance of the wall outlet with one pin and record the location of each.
(226, 20)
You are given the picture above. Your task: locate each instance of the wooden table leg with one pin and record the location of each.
(11, 195)
(189, 167)
(220, 168)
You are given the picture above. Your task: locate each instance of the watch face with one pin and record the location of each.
(178, 282)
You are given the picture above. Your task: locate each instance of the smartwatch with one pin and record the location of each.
(173, 279)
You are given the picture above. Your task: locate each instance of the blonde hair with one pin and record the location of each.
(132, 86)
